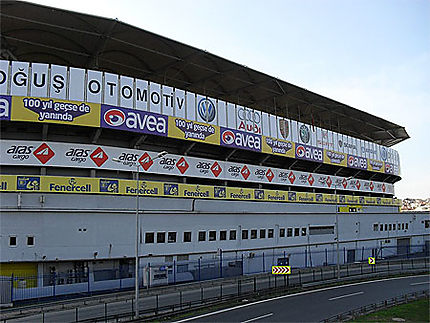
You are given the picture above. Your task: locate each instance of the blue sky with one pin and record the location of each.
(372, 55)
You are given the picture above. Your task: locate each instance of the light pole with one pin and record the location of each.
(337, 228)
(136, 268)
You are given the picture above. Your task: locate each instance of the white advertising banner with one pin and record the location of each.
(39, 80)
(265, 124)
(94, 86)
(4, 77)
(222, 113)
(126, 92)
(20, 79)
(141, 99)
(154, 97)
(56, 154)
(191, 106)
(110, 95)
(179, 103)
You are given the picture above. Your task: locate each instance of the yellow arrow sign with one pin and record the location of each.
(281, 270)
(372, 261)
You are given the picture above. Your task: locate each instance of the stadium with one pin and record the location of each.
(227, 170)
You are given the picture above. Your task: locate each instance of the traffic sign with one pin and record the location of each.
(281, 270)
(372, 261)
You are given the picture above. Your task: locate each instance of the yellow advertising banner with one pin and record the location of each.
(279, 147)
(369, 200)
(236, 193)
(128, 187)
(275, 196)
(335, 158)
(352, 199)
(305, 197)
(374, 165)
(87, 185)
(196, 191)
(70, 184)
(7, 183)
(329, 198)
(48, 110)
(191, 130)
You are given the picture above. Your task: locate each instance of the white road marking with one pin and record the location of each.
(258, 318)
(343, 296)
(291, 295)
(413, 284)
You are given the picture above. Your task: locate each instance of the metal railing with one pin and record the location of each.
(176, 298)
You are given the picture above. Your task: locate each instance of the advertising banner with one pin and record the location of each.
(192, 130)
(68, 95)
(87, 185)
(334, 158)
(55, 111)
(133, 120)
(278, 147)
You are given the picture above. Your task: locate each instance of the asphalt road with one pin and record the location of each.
(314, 306)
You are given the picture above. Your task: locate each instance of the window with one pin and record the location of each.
(406, 226)
(398, 226)
(161, 237)
(403, 226)
(12, 241)
(232, 234)
(375, 227)
(270, 233)
(212, 235)
(394, 226)
(187, 236)
(386, 227)
(202, 235)
(296, 232)
(149, 237)
(390, 227)
(223, 235)
(171, 237)
(322, 229)
(262, 233)
(289, 232)
(381, 227)
(282, 232)
(426, 224)
(303, 231)
(30, 241)
(254, 234)
(244, 234)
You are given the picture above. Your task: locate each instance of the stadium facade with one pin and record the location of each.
(254, 164)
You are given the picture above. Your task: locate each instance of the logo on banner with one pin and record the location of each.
(376, 164)
(28, 183)
(311, 179)
(383, 152)
(284, 128)
(344, 183)
(220, 192)
(203, 167)
(133, 120)
(206, 109)
(109, 186)
(383, 187)
(329, 181)
(245, 172)
(182, 165)
(304, 134)
(240, 139)
(114, 117)
(20, 152)
(291, 177)
(5, 107)
(249, 120)
(145, 161)
(171, 189)
(270, 175)
(216, 169)
(259, 194)
(335, 158)
(318, 197)
(98, 156)
(278, 146)
(292, 196)
(168, 163)
(357, 184)
(43, 153)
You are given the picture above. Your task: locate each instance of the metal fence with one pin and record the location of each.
(73, 283)
(166, 300)
(371, 308)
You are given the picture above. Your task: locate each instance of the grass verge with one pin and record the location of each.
(417, 311)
